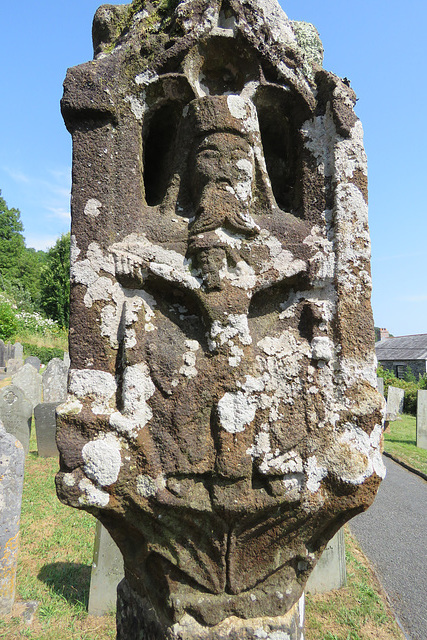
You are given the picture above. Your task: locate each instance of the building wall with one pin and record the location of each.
(418, 367)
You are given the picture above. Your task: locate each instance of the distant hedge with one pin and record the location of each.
(45, 354)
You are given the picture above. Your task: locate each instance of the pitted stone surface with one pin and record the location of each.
(222, 418)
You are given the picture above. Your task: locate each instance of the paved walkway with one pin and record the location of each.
(393, 534)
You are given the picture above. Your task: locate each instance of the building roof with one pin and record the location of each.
(402, 348)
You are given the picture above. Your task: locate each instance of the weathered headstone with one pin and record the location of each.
(30, 382)
(3, 354)
(34, 362)
(330, 572)
(15, 413)
(380, 385)
(395, 398)
(55, 381)
(422, 418)
(222, 413)
(11, 483)
(107, 572)
(45, 422)
(18, 352)
(13, 365)
(67, 359)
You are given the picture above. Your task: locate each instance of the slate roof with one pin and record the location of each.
(402, 348)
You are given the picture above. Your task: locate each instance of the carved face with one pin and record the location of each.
(226, 160)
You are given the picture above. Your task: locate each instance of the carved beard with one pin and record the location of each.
(218, 207)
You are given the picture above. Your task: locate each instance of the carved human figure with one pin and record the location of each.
(227, 424)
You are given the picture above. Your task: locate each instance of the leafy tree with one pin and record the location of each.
(55, 282)
(20, 268)
(8, 322)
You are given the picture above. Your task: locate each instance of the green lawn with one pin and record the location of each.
(400, 441)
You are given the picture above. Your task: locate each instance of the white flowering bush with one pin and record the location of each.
(36, 323)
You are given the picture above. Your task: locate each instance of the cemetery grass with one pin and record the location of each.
(54, 564)
(54, 569)
(400, 441)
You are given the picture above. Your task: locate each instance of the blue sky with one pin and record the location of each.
(378, 45)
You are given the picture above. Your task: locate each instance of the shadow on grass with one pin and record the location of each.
(398, 441)
(69, 580)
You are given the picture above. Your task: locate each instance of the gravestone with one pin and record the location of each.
(395, 399)
(15, 413)
(45, 422)
(422, 419)
(107, 572)
(380, 385)
(55, 381)
(13, 365)
(3, 354)
(30, 382)
(11, 483)
(18, 352)
(10, 351)
(222, 411)
(67, 359)
(330, 572)
(34, 362)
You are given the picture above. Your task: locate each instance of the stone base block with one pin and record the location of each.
(137, 620)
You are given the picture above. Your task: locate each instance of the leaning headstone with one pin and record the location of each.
(30, 382)
(330, 571)
(12, 459)
(395, 399)
(45, 421)
(15, 413)
(222, 409)
(13, 365)
(422, 419)
(34, 362)
(107, 572)
(55, 381)
(18, 352)
(380, 385)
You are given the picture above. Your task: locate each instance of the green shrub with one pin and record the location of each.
(44, 354)
(8, 321)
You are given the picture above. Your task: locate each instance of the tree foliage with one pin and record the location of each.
(20, 268)
(55, 282)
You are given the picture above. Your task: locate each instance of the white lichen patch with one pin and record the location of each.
(322, 348)
(148, 487)
(370, 459)
(136, 255)
(232, 239)
(102, 459)
(137, 388)
(71, 406)
(235, 411)
(91, 496)
(98, 386)
(92, 208)
(236, 326)
(245, 111)
(125, 309)
(314, 474)
(188, 369)
(136, 106)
